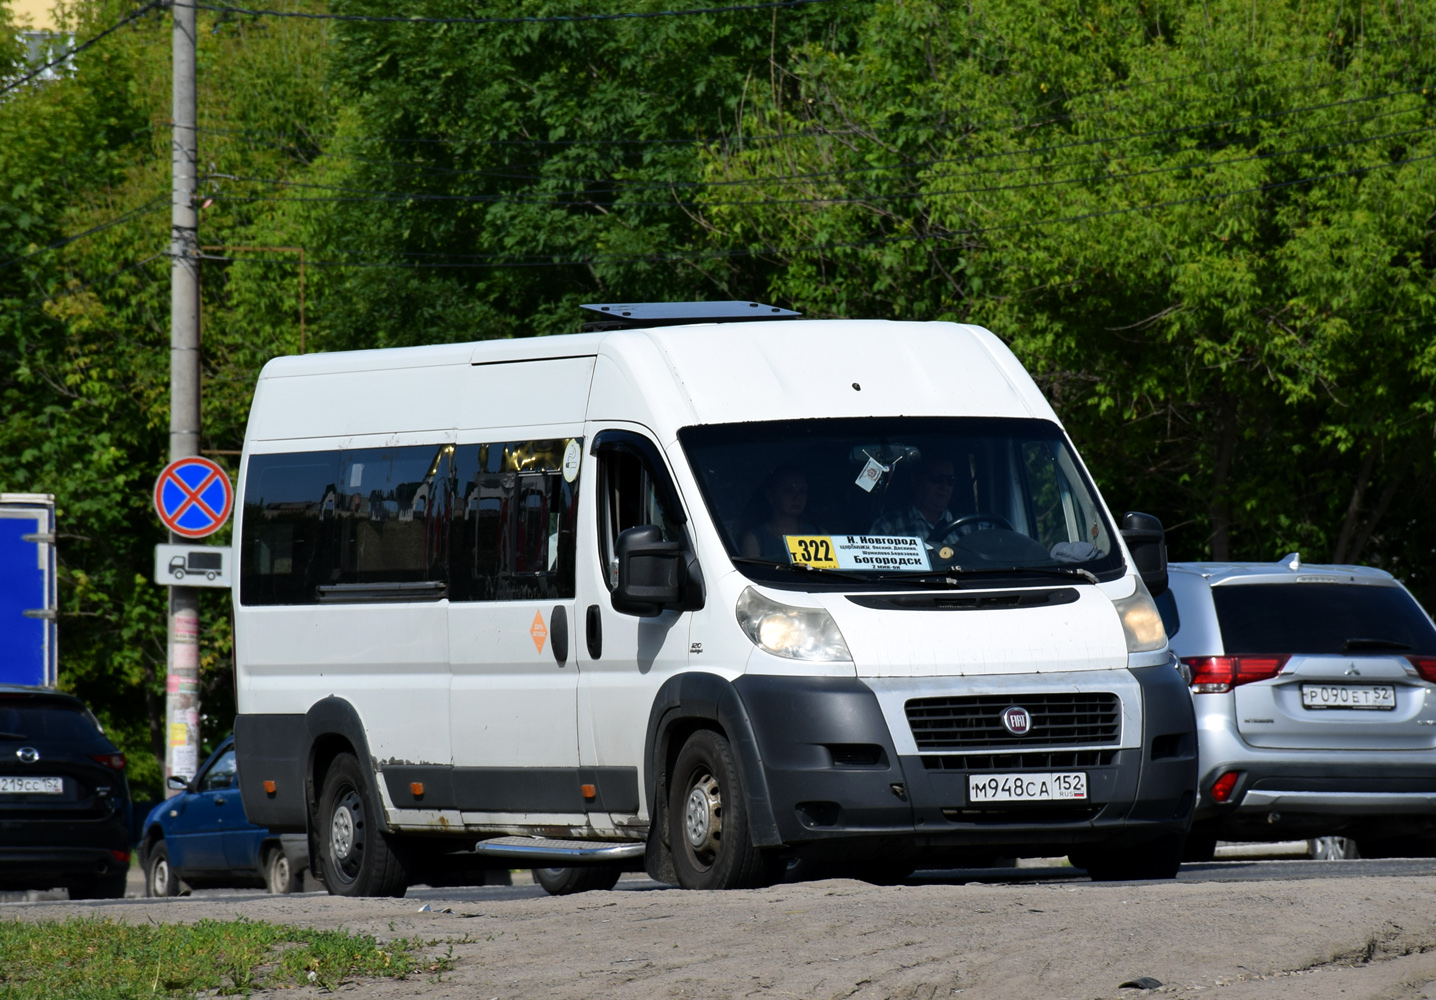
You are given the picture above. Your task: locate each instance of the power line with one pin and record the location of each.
(67, 240)
(554, 19)
(75, 50)
(538, 260)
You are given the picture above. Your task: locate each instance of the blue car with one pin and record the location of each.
(201, 837)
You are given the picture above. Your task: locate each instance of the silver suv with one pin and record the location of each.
(1315, 693)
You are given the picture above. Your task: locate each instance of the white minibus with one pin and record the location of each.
(706, 590)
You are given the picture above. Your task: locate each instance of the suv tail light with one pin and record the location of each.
(1219, 674)
(114, 761)
(1425, 666)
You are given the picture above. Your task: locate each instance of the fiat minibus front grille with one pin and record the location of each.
(974, 722)
(1042, 760)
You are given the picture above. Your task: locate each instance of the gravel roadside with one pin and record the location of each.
(1320, 938)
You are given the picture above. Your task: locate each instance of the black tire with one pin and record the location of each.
(280, 876)
(708, 821)
(1394, 847)
(160, 878)
(1201, 846)
(567, 881)
(1156, 859)
(110, 886)
(359, 859)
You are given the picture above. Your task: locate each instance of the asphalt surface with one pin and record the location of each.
(1261, 870)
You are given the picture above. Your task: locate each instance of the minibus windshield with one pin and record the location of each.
(899, 498)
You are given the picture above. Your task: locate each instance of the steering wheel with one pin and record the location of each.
(943, 530)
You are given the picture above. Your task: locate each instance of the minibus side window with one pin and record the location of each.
(287, 548)
(391, 515)
(316, 523)
(514, 517)
(630, 498)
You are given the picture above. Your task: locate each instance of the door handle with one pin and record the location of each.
(593, 628)
(219, 800)
(558, 634)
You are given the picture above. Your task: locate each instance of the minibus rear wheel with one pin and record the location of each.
(708, 821)
(359, 860)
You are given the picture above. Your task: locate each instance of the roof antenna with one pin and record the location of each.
(1292, 560)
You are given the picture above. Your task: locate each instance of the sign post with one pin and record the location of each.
(193, 497)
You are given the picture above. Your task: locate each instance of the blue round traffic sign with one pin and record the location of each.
(193, 497)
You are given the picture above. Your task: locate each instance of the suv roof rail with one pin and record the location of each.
(633, 315)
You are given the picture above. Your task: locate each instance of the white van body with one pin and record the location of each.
(448, 689)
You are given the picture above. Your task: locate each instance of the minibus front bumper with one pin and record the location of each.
(834, 779)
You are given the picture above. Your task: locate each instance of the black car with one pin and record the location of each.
(64, 798)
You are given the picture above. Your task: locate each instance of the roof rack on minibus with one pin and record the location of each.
(633, 315)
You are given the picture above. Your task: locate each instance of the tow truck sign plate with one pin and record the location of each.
(193, 565)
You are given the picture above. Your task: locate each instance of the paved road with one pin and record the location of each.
(1216, 871)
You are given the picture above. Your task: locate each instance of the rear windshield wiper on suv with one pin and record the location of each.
(13, 736)
(1356, 645)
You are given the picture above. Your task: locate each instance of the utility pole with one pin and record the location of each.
(182, 673)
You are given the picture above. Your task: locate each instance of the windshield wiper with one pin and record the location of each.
(13, 736)
(797, 567)
(1352, 645)
(950, 575)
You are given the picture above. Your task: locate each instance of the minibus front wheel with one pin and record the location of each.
(359, 859)
(708, 821)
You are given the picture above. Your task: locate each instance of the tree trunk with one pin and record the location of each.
(1353, 508)
(1221, 505)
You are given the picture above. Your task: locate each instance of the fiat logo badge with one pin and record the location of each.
(1016, 721)
(28, 755)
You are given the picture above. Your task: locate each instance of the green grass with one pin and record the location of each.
(95, 959)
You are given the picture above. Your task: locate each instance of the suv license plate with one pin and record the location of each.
(1042, 786)
(32, 786)
(1374, 697)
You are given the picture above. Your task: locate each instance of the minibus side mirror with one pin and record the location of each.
(650, 572)
(1148, 544)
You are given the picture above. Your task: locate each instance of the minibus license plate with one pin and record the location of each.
(1379, 697)
(1043, 786)
(32, 786)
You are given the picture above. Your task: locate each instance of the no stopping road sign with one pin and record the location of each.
(193, 497)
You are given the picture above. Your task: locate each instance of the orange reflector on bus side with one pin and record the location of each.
(417, 788)
(269, 787)
(589, 791)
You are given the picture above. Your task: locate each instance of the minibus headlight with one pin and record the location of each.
(795, 633)
(1141, 621)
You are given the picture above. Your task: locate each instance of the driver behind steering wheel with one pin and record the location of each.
(933, 482)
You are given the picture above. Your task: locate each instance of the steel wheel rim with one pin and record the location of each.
(160, 878)
(703, 818)
(346, 834)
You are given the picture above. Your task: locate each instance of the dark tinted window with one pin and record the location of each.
(1167, 608)
(514, 518)
(27, 719)
(1320, 618)
(289, 548)
(391, 511)
(220, 774)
